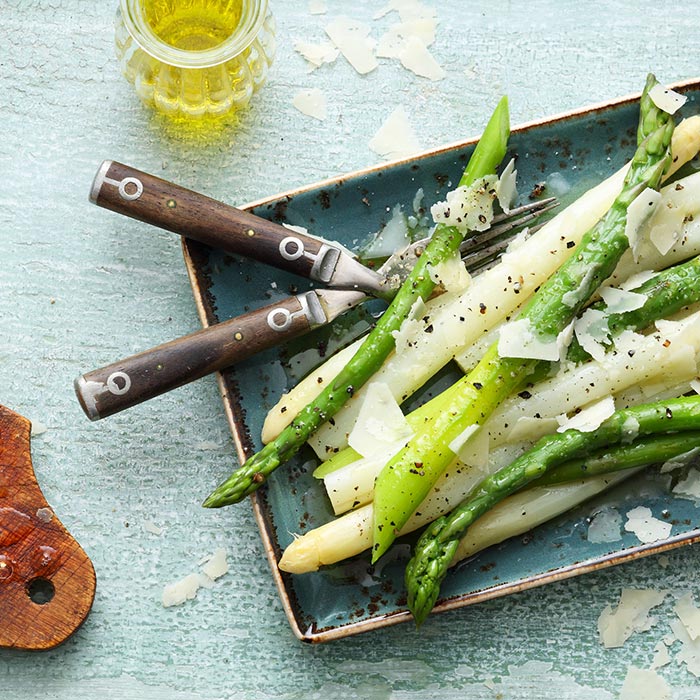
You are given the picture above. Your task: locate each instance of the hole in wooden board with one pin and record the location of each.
(40, 590)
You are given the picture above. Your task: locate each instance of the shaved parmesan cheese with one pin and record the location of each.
(630, 616)
(664, 238)
(529, 428)
(152, 528)
(637, 280)
(317, 7)
(689, 615)
(588, 419)
(311, 102)
(690, 649)
(695, 385)
(458, 443)
(394, 236)
(451, 274)
(591, 330)
(414, 56)
(556, 184)
(352, 38)
(661, 656)
(467, 208)
(381, 424)
(644, 684)
(689, 487)
(620, 301)
(638, 212)
(667, 100)
(407, 9)
(180, 591)
(393, 40)
(317, 54)
(630, 430)
(647, 528)
(395, 137)
(474, 451)
(216, 566)
(410, 327)
(517, 339)
(605, 526)
(506, 189)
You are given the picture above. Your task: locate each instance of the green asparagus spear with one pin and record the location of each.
(650, 450)
(437, 545)
(379, 343)
(408, 477)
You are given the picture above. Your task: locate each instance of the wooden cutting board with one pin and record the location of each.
(47, 582)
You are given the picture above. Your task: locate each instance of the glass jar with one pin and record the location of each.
(195, 58)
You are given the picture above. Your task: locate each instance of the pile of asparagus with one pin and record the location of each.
(424, 478)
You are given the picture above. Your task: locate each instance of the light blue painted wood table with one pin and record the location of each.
(80, 287)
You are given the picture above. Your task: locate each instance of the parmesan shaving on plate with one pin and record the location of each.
(506, 187)
(591, 330)
(467, 208)
(317, 54)
(637, 280)
(395, 137)
(414, 56)
(381, 424)
(667, 100)
(638, 212)
(605, 526)
(472, 447)
(588, 419)
(458, 443)
(620, 301)
(689, 487)
(645, 526)
(517, 339)
(630, 616)
(394, 236)
(352, 38)
(311, 102)
(451, 274)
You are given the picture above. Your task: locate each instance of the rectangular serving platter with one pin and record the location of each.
(576, 150)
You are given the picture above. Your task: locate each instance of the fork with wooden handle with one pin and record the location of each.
(130, 381)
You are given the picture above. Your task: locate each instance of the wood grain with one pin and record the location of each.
(38, 556)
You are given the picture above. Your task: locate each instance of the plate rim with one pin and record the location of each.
(207, 318)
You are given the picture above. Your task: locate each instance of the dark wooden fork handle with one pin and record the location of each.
(147, 198)
(125, 383)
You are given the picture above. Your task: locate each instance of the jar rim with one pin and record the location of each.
(253, 13)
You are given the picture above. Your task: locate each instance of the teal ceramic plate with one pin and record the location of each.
(574, 150)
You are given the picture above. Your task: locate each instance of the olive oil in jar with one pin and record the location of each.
(195, 59)
(193, 25)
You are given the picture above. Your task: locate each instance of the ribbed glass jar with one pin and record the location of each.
(195, 58)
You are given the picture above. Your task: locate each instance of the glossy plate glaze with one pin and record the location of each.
(575, 151)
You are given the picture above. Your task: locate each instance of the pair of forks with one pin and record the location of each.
(346, 282)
